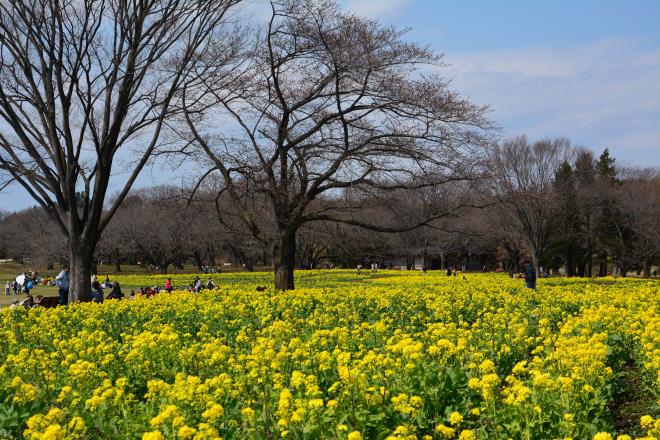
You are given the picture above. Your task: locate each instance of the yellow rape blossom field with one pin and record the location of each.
(386, 356)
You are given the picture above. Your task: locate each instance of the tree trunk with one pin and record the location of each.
(210, 252)
(284, 257)
(249, 266)
(80, 273)
(199, 260)
(536, 261)
(646, 271)
(163, 268)
(590, 262)
(117, 261)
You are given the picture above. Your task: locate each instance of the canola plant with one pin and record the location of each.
(393, 355)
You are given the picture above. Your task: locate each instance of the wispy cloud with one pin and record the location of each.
(604, 94)
(374, 8)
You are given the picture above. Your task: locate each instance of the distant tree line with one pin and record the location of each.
(545, 201)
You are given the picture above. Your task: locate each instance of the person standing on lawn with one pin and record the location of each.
(530, 275)
(62, 281)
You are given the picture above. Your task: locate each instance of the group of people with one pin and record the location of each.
(23, 283)
(374, 268)
(207, 269)
(13, 286)
(198, 285)
(30, 301)
(62, 282)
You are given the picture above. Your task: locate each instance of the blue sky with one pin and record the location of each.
(584, 69)
(587, 70)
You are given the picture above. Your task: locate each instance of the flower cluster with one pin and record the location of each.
(395, 356)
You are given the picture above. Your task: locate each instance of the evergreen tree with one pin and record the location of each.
(615, 236)
(585, 180)
(605, 169)
(566, 243)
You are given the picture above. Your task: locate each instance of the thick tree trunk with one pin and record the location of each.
(163, 268)
(210, 252)
(199, 260)
(570, 264)
(284, 257)
(646, 271)
(80, 273)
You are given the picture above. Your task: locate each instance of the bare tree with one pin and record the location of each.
(157, 227)
(639, 198)
(523, 177)
(81, 81)
(329, 104)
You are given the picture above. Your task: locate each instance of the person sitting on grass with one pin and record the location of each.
(199, 285)
(115, 293)
(97, 292)
(27, 302)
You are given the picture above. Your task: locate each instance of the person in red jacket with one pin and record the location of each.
(168, 285)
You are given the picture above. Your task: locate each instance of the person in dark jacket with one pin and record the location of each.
(97, 292)
(530, 275)
(115, 293)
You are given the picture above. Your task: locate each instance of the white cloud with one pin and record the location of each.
(604, 94)
(374, 8)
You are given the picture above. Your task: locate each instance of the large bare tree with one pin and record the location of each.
(82, 81)
(524, 174)
(329, 105)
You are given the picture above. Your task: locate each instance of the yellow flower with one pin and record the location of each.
(445, 431)
(76, 427)
(186, 432)
(354, 436)
(455, 418)
(153, 435)
(646, 422)
(213, 412)
(602, 436)
(466, 435)
(248, 412)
